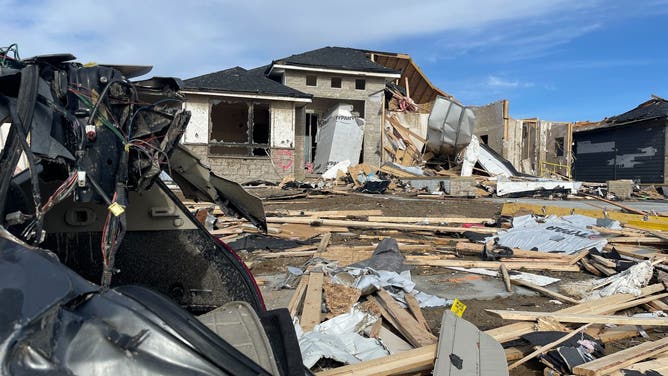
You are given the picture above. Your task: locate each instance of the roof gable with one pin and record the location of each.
(336, 58)
(240, 80)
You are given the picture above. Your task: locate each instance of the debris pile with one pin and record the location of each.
(359, 311)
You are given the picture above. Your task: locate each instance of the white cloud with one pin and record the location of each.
(496, 82)
(190, 38)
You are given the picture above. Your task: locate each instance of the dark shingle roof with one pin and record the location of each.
(652, 109)
(336, 58)
(240, 80)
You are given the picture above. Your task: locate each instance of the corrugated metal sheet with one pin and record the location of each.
(635, 151)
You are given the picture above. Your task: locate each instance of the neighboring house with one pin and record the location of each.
(628, 146)
(243, 124)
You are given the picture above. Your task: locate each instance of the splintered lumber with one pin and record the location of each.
(324, 242)
(578, 318)
(376, 225)
(298, 296)
(312, 302)
(637, 240)
(660, 366)
(506, 277)
(547, 347)
(616, 333)
(561, 267)
(621, 359)
(579, 256)
(414, 308)
(414, 360)
(645, 222)
(415, 333)
(606, 305)
(546, 292)
(429, 220)
(269, 255)
(476, 249)
(621, 206)
(328, 213)
(378, 309)
(640, 252)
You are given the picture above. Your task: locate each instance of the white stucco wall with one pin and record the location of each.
(282, 124)
(197, 131)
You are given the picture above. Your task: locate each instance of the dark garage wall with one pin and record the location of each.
(635, 151)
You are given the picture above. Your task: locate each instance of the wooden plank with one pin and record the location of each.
(617, 204)
(639, 252)
(547, 292)
(312, 302)
(604, 261)
(637, 240)
(415, 333)
(650, 222)
(476, 249)
(391, 341)
(377, 225)
(547, 347)
(659, 366)
(579, 256)
(324, 242)
(408, 361)
(622, 359)
(383, 312)
(429, 220)
(579, 318)
(414, 308)
(562, 267)
(297, 296)
(606, 305)
(506, 278)
(328, 213)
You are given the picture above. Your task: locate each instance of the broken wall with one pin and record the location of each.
(489, 125)
(247, 154)
(371, 95)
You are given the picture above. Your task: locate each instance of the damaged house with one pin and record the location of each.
(243, 123)
(534, 146)
(627, 146)
(263, 123)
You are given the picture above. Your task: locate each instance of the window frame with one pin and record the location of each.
(331, 83)
(250, 145)
(311, 76)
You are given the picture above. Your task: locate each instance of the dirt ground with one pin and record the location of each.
(409, 206)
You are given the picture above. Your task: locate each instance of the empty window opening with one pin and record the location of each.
(360, 84)
(559, 146)
(484, 138)
(311, 80)
(336, 82)
(229, 122)
(240, 129)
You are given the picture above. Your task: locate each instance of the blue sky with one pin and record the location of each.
(561, 60)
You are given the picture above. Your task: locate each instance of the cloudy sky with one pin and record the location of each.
(558, 60)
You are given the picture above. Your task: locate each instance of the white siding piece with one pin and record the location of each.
(282, 125)
(197, 131)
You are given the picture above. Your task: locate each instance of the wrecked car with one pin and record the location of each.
(101, 265)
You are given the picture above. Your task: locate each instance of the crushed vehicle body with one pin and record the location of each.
(96, 144)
